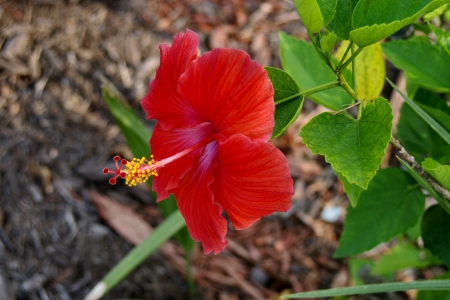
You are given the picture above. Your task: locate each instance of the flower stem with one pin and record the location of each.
(412, 162)
(317, 89)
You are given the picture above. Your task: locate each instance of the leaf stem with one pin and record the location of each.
(410, 160)
(350, 46)
(346, 87)
(311, 38)
(350, 59)
(317, 89)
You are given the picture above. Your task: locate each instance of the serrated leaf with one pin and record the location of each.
(437, 12)
(419, 139)
(341, 24)
(376, 20)
(299, 58)
(285, 88)
(370, 70)
(433, 295)
(392, 203)
(403, 256)
(424, 62)
(315, 14)
(442, 37)
(444, 203)
(353, 147)
(436, 233)
(439, 172)
(353, 191)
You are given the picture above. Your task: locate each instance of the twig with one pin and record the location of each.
(410, 160)
(347, 108)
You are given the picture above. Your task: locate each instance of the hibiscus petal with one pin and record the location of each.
(167, 143)
(196, 203)
(252, 180)
(231, 91)
(163, 101)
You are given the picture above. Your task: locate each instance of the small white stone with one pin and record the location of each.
(331, 214)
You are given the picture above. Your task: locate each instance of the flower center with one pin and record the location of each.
(140, 170)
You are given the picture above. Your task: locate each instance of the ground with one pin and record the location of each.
(57, 135)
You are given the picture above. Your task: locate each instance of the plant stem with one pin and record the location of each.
(189, 277)
(350, 46)
(347, 108)
(311, 38)
(317, 89)
(350, 59)
(410, 160)
(346, 87)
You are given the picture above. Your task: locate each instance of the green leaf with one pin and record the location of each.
(430, 121)
(138, 254)
(341, 24)
(315, 14)
(353, 191)
(436, 233)
(418, 138)
(286, 111)
(376, 20)
(299, 58)
(392, 203)
(433, 285)
(437, 12)
(433, 295)
(424, 62)
(444, 203)
(370, 70)
(137, 136)
(439, 172)
(327, 43)
(403, 256)
(353, 147)
(442, 37)
(433, 105)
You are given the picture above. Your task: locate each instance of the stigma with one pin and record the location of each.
(134, 171)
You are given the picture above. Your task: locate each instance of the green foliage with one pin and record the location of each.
(352, 190)
(315, 14)
(341, 24)
(425, 285)
(376, 20)
(402, 256)
(442, 37)
(135, 257)
(419, 138)
(434, 295)
(392, 203)
(439, 172)
(424, 62)
(287, 99)
(444, 203)
(298, 58)
(426, 117)
(353, 147)
(436, 233)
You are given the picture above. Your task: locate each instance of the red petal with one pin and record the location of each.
(252, 180)
(167, 143)
(163, 101)
(233, 92)
(196, 203)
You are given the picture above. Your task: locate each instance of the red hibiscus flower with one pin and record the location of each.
(214, 117)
